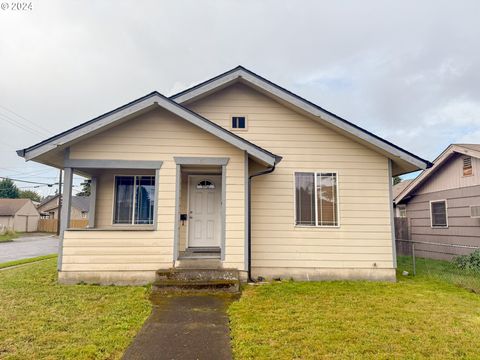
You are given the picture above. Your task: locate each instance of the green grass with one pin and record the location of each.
(414, 318)
(26, 261)
(9, 236)
(442, 271)
(43, 320)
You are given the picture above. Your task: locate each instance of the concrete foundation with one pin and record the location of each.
(319, 274)
(106, 277)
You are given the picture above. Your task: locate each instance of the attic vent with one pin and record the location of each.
(467, 166)
(475, 211)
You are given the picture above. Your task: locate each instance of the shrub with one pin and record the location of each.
(469, 262)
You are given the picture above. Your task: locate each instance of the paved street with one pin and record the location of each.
(27, 247)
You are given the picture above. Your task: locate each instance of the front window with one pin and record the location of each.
(134, 199)
(316, 199)
(438, 213)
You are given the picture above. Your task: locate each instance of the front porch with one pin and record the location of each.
(139, 223)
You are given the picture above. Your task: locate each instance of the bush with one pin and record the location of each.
(469, 262)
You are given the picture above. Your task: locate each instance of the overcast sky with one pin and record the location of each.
(407, 71)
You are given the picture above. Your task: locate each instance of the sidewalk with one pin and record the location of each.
(184, 327)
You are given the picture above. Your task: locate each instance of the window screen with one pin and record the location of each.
(316, 199)
(438, 214)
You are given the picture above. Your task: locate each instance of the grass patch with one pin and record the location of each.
(26, 261)
(414, 318)
(8, 236)
(43, 320)
(442, 271)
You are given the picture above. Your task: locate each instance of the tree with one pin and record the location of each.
(30, 194)
(85, 188)
(8, 190)
(396, 180)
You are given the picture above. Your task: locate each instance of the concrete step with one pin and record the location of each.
(197, 280)
(199, 263)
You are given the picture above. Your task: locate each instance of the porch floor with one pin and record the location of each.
(200, 253)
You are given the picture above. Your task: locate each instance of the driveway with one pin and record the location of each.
(27, 247)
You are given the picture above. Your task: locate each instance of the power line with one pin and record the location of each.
(19, 125)
(28, 182)
(24, 118)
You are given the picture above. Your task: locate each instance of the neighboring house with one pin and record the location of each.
(235, 169)
(443, 202)
(80, 205)
(400, 210)
(18, 215)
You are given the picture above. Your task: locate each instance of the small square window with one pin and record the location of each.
(239, 122)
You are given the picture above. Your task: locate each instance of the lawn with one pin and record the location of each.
(43, 320)
(9, 236)
(415, 318)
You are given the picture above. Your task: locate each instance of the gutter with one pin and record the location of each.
(249, 220)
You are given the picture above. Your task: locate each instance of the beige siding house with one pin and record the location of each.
(236, 170)
(49, 207)
(18, 215)
(443, 203)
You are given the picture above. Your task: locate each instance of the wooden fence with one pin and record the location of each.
(50, 225)
(402, 233)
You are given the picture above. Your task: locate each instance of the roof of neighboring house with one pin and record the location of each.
(451, 150)
(9, 207)
(81, 203)
(398, 188)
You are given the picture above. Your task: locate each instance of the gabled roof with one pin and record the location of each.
(142, 104)
(398, 188)
(81, 203)
(9, 207)
(406, 161)
(465, 149)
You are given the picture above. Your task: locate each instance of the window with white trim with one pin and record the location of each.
(316, 199)
(438, 213)
(134, 200)
(239, 122)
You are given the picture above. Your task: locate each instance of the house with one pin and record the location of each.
(18, 215)
(49, 207)
(236, 170)
(400, 211)
(443, 203)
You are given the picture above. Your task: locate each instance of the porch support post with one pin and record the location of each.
(155, 203)
(93, 200)
(65, 214)
(223, 215)
(177, 212)
(247, 209)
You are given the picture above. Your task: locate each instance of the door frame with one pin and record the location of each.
(187, 240)
(212, 161)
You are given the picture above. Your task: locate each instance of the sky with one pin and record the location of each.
(407, 71)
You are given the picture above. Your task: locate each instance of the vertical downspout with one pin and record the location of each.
(249, 219)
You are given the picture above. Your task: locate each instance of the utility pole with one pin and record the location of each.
(59, 200)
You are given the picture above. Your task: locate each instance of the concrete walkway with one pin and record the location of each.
(28, 246)
(184, 327)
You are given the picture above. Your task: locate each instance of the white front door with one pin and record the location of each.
(204, 198)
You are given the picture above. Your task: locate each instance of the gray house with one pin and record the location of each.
(443, 203)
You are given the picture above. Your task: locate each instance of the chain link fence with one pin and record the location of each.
(454, 263)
